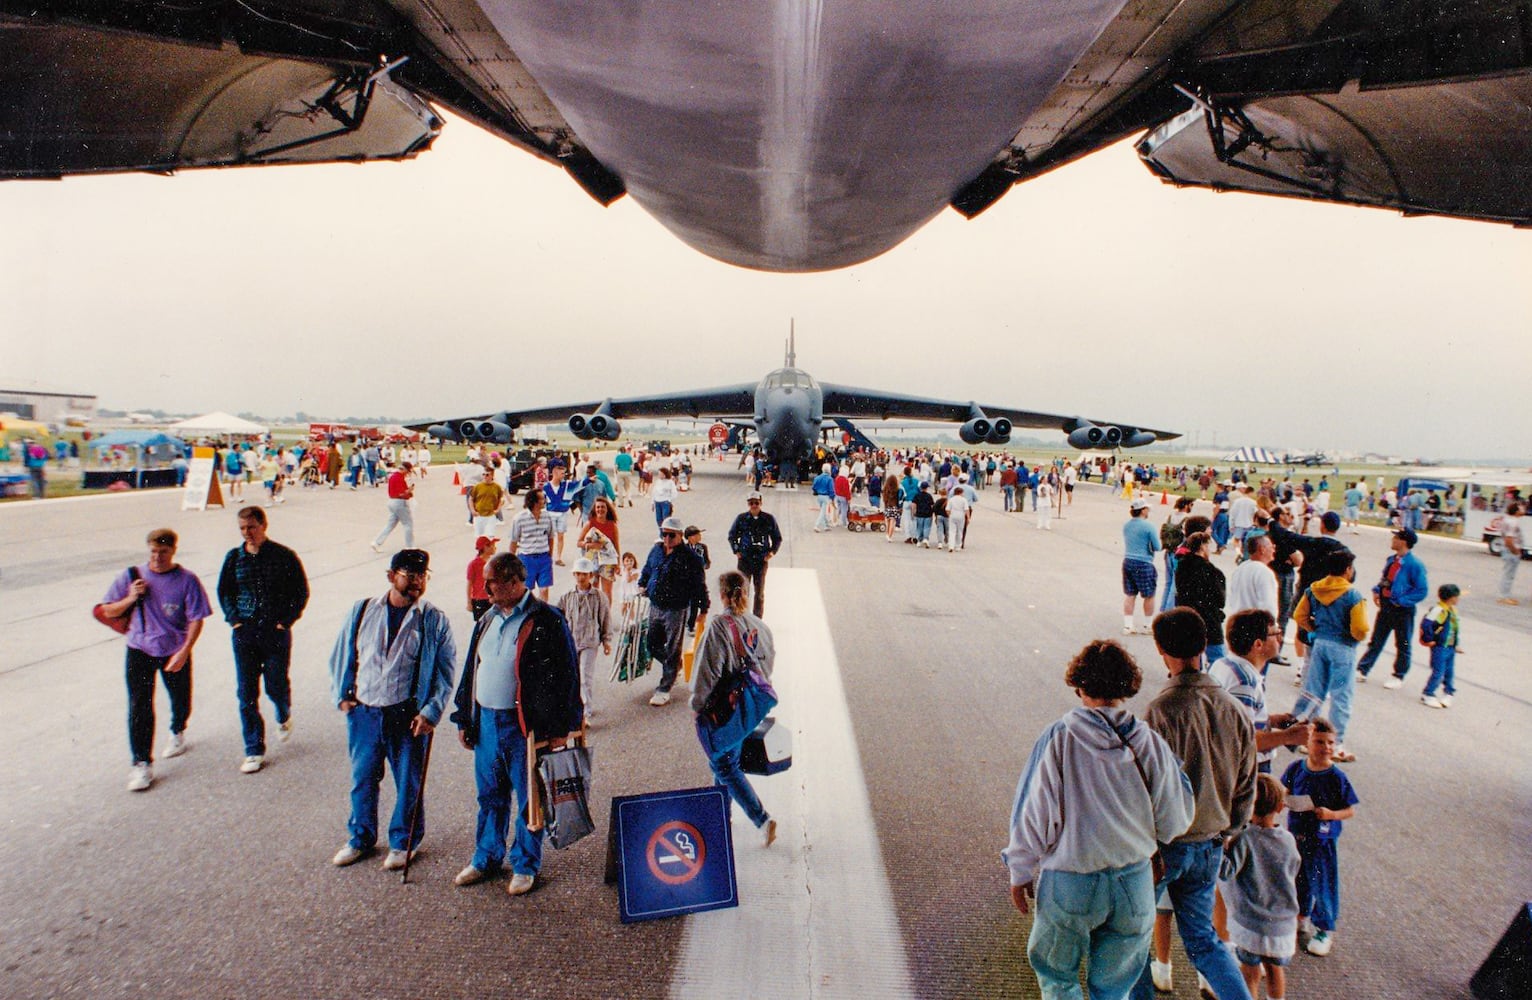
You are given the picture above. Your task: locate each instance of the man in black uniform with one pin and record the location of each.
(754, 538)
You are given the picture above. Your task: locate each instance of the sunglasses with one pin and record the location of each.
(670, 534)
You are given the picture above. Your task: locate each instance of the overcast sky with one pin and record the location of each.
(477, 277)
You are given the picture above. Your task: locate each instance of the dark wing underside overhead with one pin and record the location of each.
(848, 401)
(798, 136)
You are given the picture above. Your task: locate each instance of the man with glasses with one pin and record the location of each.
(754, 538)
(391, 673)
(263, 590)
(519, 680)
(674, 580)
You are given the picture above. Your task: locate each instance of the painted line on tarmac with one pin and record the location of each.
(816, 915)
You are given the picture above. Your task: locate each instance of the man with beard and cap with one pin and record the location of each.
(391, 673)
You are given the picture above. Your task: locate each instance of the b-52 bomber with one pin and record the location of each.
(788, 410)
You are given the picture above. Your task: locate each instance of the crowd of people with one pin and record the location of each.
(1121, 827)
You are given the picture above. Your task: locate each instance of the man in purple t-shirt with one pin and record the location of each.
(166, 604)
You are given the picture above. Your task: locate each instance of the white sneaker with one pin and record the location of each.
(375, 547)
(1431, 702)
(396, 859)
(1361, 678)
(470, 876)
(768, 833)
(1321, 943)
(1446, 700)
(520, 884)
(1393, 684)
(1146, 630)
(347, 855)
(1306, 928)
(1128, 630)
(178, 745)
(140, 777)
(1161, 972)
(285, 730)
(659, 698)
(252, 764)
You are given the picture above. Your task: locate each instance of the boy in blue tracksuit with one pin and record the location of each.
(1316, 825)
(1439, 634)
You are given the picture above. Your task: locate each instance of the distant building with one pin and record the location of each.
(45, 405)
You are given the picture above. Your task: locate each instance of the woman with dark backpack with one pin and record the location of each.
(732, 643)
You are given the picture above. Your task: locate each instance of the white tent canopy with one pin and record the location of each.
(1254, 456)
(216, 423)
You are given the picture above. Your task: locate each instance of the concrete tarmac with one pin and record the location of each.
(217, 884)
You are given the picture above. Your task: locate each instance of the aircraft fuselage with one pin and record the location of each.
(789, 409)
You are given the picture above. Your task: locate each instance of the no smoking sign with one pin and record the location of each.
(672, 853)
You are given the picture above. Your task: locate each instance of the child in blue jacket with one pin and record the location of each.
(1439, 634)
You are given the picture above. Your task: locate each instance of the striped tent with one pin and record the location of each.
(1254, 456)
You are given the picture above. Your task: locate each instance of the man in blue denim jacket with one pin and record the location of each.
(391, 672)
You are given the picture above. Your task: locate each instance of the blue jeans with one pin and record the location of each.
(1443, 658)
(140, 670)
(726, 773)
(1105, 918)
(823, 524)
(1395, 620)
(1191, 874)
(261, 655)
(1318, 882)
(661, 511)
(922, 529)
(1331, 675)
(499, 769)
(374, 735)
(1007, 494)
(1168, 596)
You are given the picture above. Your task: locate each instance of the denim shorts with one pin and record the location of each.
(539, 568)
(1251, 958)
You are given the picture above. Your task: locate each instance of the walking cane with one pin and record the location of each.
(420, 794)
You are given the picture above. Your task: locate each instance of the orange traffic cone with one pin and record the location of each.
(456, 479)
(1164, 498)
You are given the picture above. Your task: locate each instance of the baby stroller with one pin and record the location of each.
(632, 659)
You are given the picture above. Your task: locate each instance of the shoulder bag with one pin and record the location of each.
(124, 621)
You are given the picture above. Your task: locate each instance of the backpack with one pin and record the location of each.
(1171, 535)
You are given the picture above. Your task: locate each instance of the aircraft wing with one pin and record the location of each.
(730, 402)
(848, 401)
(805, 142)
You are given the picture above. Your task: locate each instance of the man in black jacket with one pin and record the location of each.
(675, 582)
(263, 590)
(519, 679)
(755, 538)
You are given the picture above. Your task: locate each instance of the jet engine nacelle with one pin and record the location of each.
(1000, 433)
(485, 430)
(1134, 438)
(579, 426)
(604, 427)
(1089, 436)
(443, 431)
(976, 431)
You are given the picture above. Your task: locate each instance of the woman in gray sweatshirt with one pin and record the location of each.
(1100, 792)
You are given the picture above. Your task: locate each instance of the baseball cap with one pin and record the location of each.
(1139, 504)
(1409, 536)
(410, 560)
(484, 542)
(583, 565)
(1331, 521)
(692, 529)
(753, 495)
(672, 524)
